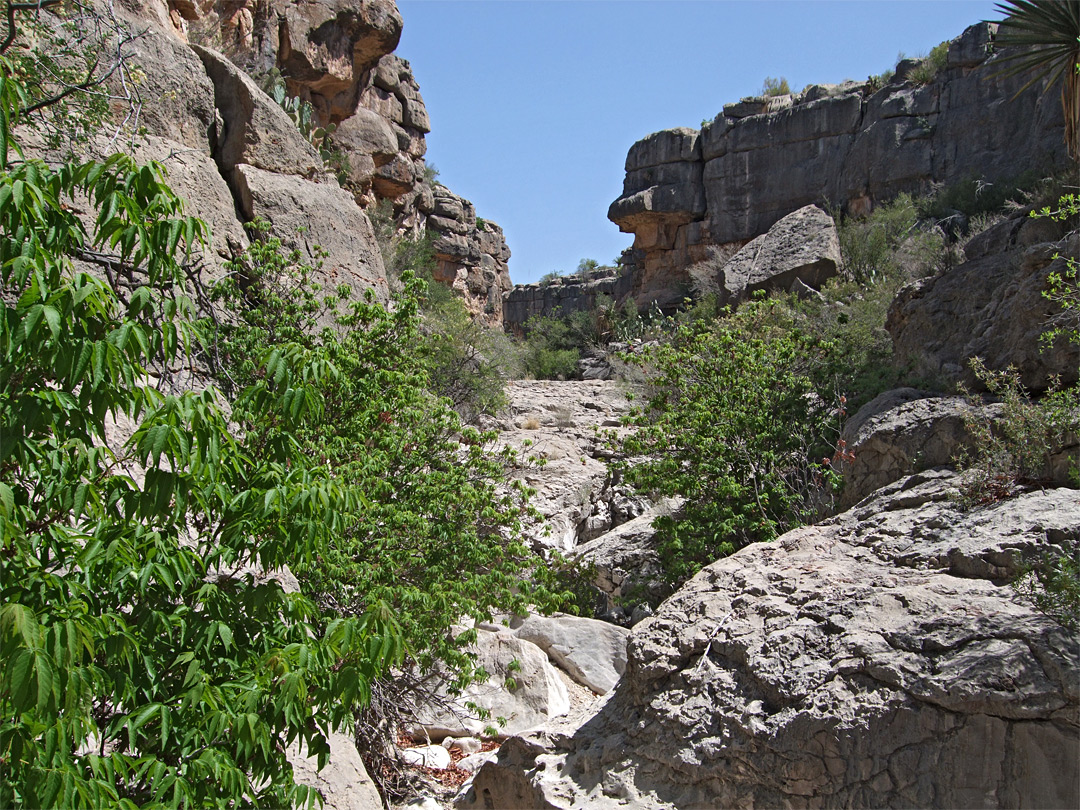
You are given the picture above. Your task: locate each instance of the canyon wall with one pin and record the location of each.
(337, 55)
(697, 195)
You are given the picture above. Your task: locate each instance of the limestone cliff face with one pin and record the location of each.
(338, 56)
(562, 297)
(691, 194)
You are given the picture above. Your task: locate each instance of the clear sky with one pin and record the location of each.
(534, 103)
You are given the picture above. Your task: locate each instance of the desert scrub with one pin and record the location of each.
(739, 423)
(931, 64)
(1017, 450)
(1053, 586)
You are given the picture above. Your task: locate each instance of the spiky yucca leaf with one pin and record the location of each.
(1048, 32)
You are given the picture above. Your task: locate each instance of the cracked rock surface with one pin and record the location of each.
(879, 659)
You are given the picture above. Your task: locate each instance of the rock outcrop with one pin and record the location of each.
(563, 296)
(337, 55)
(878, 659)
(905, 431)
(801, 249)
(557, 424)
(692, 195)
(991, 306)
(471, 255)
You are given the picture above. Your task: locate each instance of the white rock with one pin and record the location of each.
(537, 696)
(592, 652)
(474, 762)
(344, 782)
(427, 756)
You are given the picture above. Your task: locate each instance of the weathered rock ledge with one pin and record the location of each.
(690, 195)
(878, 659)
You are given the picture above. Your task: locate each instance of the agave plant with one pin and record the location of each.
(1048, 33)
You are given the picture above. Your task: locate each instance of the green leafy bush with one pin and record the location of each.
(738, 424)
(1053, 587)
(775, 87)
(552, 348)
(145, 658)
(1016, 450)
(1063, 286)
(468, 363)
(433, 531)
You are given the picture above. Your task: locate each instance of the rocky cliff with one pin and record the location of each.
(563, 296)
(336, 55)
(697, 195)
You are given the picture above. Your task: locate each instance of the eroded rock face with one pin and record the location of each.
(562, 297)
(558, 424)
(254, 130)
(471, 255)
(991, 306)
(337, 56)
(878, 659)
(306, 215)
(690, 192)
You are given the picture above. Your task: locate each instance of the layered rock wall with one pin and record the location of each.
(337, 55)
(690, 195)
(562, 297)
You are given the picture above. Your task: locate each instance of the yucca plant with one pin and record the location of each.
(1048, 31)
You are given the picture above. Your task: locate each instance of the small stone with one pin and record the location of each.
(427, 756)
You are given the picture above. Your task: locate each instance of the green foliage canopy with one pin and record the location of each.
(433, 530)
(144, 661)
(738, 424)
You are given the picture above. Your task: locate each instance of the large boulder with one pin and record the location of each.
(591, 652)
(256, 130)
(322, 221)
(802, 247)
(344, 783)
(523, 691)
(991, 306)
(627, 567)
(879, 659)
(905, 431)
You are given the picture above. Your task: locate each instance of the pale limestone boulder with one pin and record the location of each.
(591, 652)
(427, 756)
(256, 130)
(330, 220)
(905, 431)
(878, 659)
(801, 247)
(344, 782)
(538, 694)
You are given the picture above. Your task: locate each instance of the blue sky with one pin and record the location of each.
(534, 103)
